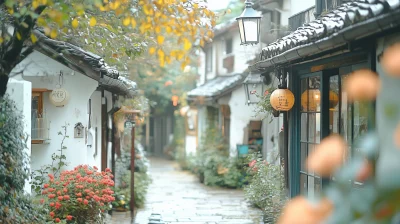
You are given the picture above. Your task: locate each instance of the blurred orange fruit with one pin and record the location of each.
(365, 171)
(362, 85)
(391, 60)
(300, 211)
(396, 136)
(328, 156)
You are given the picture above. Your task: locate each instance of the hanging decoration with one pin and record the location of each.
(282, 100)
(311, 99)
(59, 97)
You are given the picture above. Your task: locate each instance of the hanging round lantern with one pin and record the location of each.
(175, 100)
(311, 99)
(59, 97)
(282, 100)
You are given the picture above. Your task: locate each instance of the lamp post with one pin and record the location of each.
(254, 88)
(249, 25)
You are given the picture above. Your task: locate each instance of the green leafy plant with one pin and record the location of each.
(39, 177)
(15, 207)
(264, 105)
(266, 189)
(78, 196)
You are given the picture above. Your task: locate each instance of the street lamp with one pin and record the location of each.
(249, 25)
(254, 88)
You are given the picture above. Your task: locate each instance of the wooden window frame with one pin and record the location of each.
(39, 93)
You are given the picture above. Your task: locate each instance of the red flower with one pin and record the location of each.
(52, 214)
(51, 196)
(266, 92)
(79, 199)
(46, 185)
(69, 217)
(65, 190)
(66, 197)
(253, 92)
(52, 204)
(57, 220)
(58, 205)
(44, 192)
(60, 198)
(108, 170)
(51, 176)
(58, 193)
(41, 201)
(85, 202)
(79, 194)
(95, 168)
(252, 163)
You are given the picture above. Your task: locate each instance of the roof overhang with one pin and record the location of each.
(283, 52)
(86, 63)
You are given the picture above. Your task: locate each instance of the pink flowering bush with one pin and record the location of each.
(78, 196)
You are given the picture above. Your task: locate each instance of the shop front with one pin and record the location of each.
(314, 62)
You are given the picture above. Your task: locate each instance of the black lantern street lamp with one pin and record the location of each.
(254, 88)
(249, 25)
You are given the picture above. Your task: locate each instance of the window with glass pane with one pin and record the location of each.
(310, 132)
(350, 120)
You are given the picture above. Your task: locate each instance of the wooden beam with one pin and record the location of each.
(41, 90)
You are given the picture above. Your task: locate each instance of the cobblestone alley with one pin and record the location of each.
(180, 198)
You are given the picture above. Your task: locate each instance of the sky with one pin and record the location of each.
(217, 4)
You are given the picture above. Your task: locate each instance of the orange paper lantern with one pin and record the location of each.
(282, 100)
(311, 99)
(175, 100)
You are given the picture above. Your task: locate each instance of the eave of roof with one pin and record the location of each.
(87, 63)
(215, 88)
(351, 21)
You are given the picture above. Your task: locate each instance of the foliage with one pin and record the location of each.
(38, 177)
(142, 182)
(112, 28)
(213, 165)
(15, 206)
(80, 195)
(266, 189)
(235, 8)
(264, 104)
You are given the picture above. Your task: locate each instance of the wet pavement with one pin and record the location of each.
(179, 198)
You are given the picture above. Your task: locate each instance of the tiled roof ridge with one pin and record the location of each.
(347, 14)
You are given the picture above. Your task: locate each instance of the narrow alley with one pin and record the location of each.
(180, 198)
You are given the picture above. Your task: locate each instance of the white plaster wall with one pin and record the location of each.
(43, 72)
(201, 121)
(241, 115)
(190, 145)
(21, 93)
(96, 123)
(292, 7)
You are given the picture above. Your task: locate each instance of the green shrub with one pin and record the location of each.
(266, 189)
(15, 207)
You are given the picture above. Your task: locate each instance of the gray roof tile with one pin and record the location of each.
(344, 16)
(216, 86)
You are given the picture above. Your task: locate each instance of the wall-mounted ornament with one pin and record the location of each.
(79, 130)
(59, 96)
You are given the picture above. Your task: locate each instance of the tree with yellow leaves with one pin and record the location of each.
(118, 30)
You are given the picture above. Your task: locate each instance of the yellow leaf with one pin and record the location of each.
(133, 22)
(1, 40)
(44, 2)
(148, 10)
(47, 31)
(126, 21)
(33, 38)
(168, 29)
(75, 23)
(186, 44)
(92, 21)
(19, 36)
(35, 4)
(152, 50)
(179, 55)
(157, 29)
(160, 39)
(183, 66)
(53, 34)
(202, 42)
(160, 53)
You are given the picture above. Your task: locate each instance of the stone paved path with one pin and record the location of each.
(180, 198)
